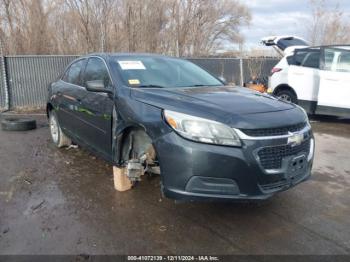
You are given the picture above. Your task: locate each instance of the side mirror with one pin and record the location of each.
(222, 80)
(97, 86)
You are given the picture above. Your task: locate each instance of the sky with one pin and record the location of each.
(281, 17)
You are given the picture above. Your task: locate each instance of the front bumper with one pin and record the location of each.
(196, 171)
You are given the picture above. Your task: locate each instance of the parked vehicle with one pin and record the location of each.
(157, 114)
(316, 78)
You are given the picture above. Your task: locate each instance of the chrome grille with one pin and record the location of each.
(279, 131)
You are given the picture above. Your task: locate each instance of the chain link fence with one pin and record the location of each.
(27, 77)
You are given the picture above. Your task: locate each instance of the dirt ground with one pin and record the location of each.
(62, 201)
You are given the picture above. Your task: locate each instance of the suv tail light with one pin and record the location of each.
(275, 70)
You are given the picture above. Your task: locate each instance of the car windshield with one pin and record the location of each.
(148, 72)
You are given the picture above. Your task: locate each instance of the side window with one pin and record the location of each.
(96, 70)
(312, 59)
(72, 75)
(307, 58)
(290, 60)
(343, 63)
(337, 60)
(328, 59)
(299, 57)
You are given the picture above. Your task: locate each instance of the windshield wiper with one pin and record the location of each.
(151, 86)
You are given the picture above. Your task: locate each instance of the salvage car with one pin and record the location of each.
(316, 78)
(148, 113)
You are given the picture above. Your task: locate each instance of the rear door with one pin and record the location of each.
(334, 93)
(69, 88)
(303, 75)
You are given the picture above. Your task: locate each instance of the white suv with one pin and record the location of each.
(316, 78)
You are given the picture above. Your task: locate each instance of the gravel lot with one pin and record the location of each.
(59, 201)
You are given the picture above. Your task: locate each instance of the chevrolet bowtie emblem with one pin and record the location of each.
(295, 139)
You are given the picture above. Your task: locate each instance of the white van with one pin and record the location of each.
(316, 78)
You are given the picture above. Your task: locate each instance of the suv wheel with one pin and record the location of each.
(287, 95)
(57, 136)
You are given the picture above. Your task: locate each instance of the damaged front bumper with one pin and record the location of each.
(196, 171)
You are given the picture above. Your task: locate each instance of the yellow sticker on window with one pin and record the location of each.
(134, 82)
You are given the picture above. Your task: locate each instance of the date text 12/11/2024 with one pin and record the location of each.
(173, 258)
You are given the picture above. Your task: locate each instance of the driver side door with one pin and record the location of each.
(96, 108)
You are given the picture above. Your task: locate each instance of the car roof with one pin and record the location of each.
(346, 47)
(108, 55)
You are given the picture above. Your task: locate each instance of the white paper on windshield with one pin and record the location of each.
(131, 65)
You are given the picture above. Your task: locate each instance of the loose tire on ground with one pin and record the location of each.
(57, 136)
(287, 95)
(17, 124)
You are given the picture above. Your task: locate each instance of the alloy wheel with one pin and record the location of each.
(285, 97)
(54, 128)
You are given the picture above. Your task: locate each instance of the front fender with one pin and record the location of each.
(135, 115)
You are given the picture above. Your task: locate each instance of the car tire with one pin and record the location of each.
(57, 136)
(17, 124)
(287, 95)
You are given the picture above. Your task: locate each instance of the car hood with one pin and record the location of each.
(229, 99)
(225, 104)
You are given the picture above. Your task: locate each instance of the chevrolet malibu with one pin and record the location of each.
(155, 114)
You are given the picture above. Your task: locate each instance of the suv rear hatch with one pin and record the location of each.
(284, 45)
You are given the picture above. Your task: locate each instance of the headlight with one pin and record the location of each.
(202, 130)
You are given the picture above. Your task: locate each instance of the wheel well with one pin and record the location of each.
(284, 87)
(135, 138)
(49, 107)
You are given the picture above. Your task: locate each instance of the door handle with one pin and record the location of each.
(332, 79)
(297, 73)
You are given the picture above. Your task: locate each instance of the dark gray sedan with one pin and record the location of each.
(156, 114)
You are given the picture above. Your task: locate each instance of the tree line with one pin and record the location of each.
(174, 27)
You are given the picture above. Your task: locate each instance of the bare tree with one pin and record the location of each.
(175, 27)
(328, 25)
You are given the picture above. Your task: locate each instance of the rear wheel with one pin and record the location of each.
(287, 95)
(57, 136)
